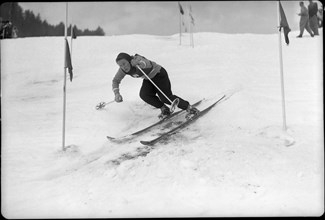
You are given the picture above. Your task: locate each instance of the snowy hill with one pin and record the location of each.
(231, 162)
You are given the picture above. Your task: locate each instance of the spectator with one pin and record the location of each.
(6, 29)
(313, 21)
(1, 28)
(14, 32)
(304, 20)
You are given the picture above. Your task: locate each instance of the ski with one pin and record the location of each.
(182, 125)
(133, 135)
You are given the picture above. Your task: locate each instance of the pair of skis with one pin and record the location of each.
(168, 133)
(144, 130)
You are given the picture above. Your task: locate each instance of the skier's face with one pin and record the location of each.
(124, 65)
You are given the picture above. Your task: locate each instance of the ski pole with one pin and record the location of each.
(103, 104)
(173, 103)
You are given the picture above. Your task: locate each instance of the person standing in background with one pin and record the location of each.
(304, 20)
(313, 20)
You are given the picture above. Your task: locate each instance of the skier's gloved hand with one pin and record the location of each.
(138, 61)
(118, 97)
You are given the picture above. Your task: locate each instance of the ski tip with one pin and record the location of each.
(148, 143)
(110, 138)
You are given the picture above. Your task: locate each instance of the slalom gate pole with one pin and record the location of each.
(173, 103)
(65, 79)
(281, 75)
(180, 29)
(71, 42)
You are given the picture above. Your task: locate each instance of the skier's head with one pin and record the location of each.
(125, 56)
(124, 61)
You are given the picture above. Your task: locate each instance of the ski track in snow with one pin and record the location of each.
(234, 161)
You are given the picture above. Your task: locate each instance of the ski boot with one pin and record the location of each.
(191, 112)
(165, 112)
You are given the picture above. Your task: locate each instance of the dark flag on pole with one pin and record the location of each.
(180, 8)
(192, 19)
(68, 63)
(284, 24)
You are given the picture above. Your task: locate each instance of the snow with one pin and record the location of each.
(232, 162)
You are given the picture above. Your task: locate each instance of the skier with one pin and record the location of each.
(133, 66)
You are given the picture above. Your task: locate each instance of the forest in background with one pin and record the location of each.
(27, 24)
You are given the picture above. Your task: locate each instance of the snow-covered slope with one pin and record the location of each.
(231, 162)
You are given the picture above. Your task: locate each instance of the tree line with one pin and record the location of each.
(28, 24)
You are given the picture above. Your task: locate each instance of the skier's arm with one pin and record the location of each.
(116, 85)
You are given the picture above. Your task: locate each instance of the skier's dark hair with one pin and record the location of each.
(123, 56)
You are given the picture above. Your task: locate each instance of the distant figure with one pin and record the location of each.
(14, 32)
(313, 21)
(6, 29)
(1, 29)
(304, 20)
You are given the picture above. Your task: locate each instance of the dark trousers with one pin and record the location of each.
(149, 92)
(313, 23)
